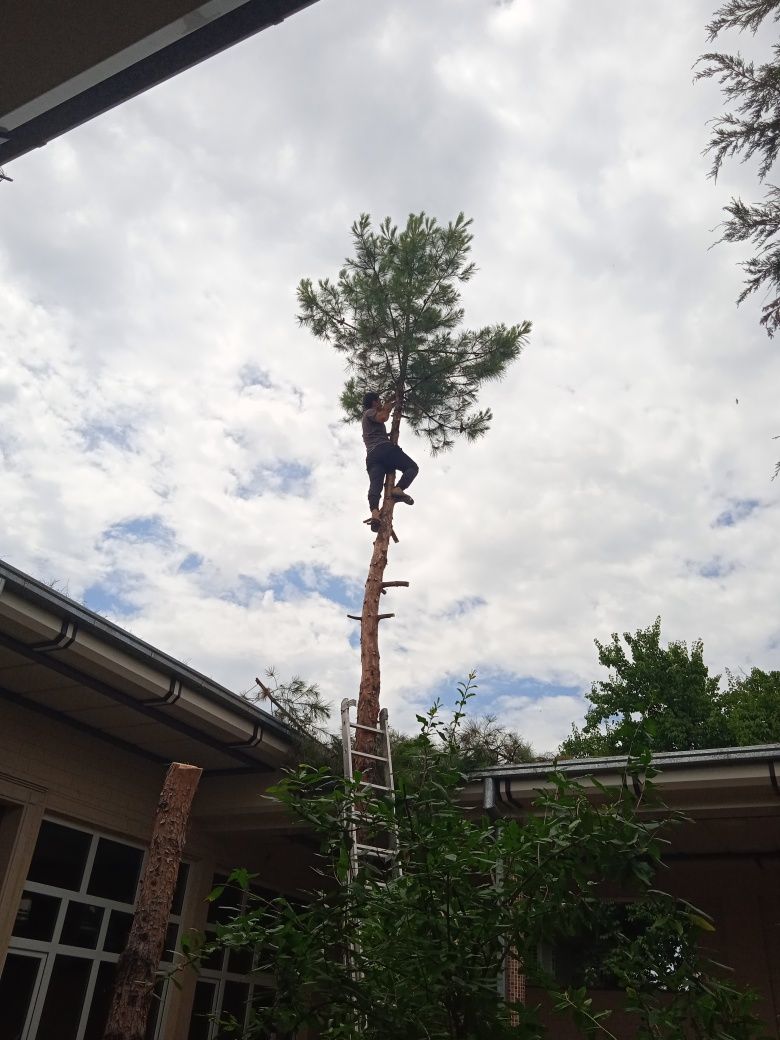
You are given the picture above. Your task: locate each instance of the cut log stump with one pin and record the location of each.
(138, 965)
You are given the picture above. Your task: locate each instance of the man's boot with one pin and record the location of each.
(399, 495)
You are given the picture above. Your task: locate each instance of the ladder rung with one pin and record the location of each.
(378, 787)
(370, 729)
(375, 849)
(365, 754)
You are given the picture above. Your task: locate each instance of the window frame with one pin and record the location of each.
(50, 949)
(218, 977)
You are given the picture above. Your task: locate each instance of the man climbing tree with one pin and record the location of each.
(395, 313)
(382, 457)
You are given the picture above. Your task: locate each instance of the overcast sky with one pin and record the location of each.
(171, 445)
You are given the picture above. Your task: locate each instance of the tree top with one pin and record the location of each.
(395, 313)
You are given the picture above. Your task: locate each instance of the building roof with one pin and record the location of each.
(663, 760)
(61, 64)
(58, 657)
(732, 793)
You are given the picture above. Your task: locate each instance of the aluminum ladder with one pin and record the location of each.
(361, 853)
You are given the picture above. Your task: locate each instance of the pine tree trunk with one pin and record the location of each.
(137, 967)
(370, 677)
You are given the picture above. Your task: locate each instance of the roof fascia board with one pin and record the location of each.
(15, 586)
(200, 43)
(118, 62)
(751, 772)
(666, 760)
(145, 708)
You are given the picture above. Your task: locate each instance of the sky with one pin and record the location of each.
(171, 445)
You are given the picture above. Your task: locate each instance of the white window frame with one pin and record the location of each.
(49, 949)
(219, 976)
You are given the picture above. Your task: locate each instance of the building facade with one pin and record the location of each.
(723, 857)
(90, 718)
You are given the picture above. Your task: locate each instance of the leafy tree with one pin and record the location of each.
(417, 955)
(664, 694)
(751, 708)
(394, 313)
(749, 129)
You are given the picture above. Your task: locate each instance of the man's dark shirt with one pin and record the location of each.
(374, 432)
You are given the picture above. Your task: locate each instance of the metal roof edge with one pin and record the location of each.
(43, 595)
(662, 760)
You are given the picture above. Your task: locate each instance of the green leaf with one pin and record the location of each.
(701, 922)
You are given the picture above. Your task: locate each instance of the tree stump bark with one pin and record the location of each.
(138, 965)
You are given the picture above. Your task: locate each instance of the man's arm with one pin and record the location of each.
(383, 411)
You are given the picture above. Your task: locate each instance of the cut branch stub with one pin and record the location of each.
(395, 584)
(379, 617)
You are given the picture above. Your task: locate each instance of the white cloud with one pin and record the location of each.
(152, 373)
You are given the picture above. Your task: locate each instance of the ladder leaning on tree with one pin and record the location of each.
(361, 825)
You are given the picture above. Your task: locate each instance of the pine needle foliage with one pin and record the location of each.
(395, 313)
(749, 129)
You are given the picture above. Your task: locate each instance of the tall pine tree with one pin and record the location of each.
(394, 312)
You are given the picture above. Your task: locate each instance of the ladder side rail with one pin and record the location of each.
(390, 781)
(346, 750)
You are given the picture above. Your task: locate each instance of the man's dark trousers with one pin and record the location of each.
(386, 458)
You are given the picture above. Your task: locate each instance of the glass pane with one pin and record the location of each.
(215, 961)
(239, 962)
(181, 887)
(64, 999)
(202, 1007)
(226, 906)
(82, 925)
(17, 987)
(115, 871)
(171, 938)
(101, 1002)
(117, 932)
(234, 1002)
(262, 998)
(60, 856)
(36, 916)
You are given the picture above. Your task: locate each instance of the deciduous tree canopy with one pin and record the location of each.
(664, 698)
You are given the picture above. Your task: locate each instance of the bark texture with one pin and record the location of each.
(370, 675)
(138, 965)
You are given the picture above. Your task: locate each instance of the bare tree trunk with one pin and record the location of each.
(370, 678)
(137, 967)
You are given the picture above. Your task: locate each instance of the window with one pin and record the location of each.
(18, 987)
(226, 984)
(587, 958)
(71, 925)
